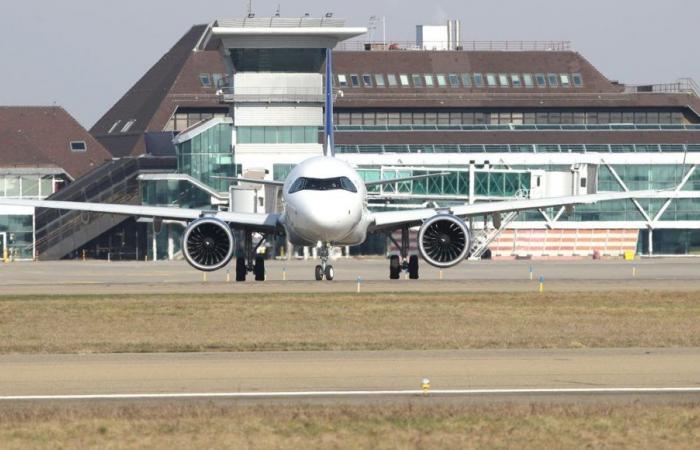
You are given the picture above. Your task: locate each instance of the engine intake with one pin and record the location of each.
(443, 241)
(208, 244)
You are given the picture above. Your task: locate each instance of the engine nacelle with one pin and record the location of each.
(443, 241)
(208, 244)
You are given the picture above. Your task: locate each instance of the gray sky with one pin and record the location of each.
(85, 54)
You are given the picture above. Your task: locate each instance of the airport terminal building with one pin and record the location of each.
(506, 119)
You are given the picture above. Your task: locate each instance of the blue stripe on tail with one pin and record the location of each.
(329, 149)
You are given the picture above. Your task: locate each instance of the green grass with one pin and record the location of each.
(405, 426)
(280, 322)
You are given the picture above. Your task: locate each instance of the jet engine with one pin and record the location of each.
(208, 244)
(443, 241)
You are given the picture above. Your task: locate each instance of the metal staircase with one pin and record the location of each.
(481, 239)
(60, 232)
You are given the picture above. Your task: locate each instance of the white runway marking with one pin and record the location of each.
(350, 394)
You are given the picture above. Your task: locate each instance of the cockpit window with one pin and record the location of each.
(322, 184)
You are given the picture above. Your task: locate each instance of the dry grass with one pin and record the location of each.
(166, 323)
(351, 427)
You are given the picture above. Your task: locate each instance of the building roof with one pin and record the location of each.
(172, 81)
(41, 136)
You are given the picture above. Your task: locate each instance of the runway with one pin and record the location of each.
(487, 374)
(87, 277)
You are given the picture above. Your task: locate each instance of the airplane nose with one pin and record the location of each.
(327, 219)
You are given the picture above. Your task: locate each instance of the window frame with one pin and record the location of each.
(404, 80)
(541, 80)
(365, 77)
(577, 80)
(205, 80)
(491, 80)
(553, 77)
(392, 80)
(444, 80)
(526, 77)
(79, 150)
(565, 77)
(417, 77)
(355, 81)
(429, 80)
(451, 77)
(478, 79)
(379, 80)
(343, 80)
(127, 126)
(503, 80)
(516, 80)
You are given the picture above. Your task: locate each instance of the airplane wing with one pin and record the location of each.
(262, 222)
(392, 219)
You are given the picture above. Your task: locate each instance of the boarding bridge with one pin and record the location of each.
(474, 184)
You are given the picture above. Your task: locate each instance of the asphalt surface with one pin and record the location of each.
(605, 373)
(88, 277)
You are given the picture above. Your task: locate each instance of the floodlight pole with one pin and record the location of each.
(329, 141)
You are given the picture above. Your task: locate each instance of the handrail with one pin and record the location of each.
(512, 46)
(518, 148)
(522, 127)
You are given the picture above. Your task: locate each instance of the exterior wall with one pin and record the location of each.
(17, 226)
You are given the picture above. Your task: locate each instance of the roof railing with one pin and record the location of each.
(682, 86)
(505, 46)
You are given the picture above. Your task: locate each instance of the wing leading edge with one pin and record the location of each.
(257, 221)
(390, 219)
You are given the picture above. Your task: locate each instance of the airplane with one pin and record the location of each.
(325, 201)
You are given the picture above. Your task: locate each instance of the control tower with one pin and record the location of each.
(275, 87)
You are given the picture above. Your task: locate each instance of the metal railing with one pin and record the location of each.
(505, 46)
(529, 127)
(682, 86)
(270, 94)
(518, 148)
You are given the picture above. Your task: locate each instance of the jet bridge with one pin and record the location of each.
(472, 184)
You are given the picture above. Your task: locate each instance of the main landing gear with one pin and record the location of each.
(324, 270)
(250, 261)
(403, 263)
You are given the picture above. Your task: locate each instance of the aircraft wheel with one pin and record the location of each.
(318, 272)
(413, 267)
(241, 270)
(330, 273)
(394, 268)
(259, 268)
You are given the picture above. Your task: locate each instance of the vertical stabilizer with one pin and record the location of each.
(329, 149)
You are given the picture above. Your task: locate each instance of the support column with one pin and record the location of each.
(651, 242)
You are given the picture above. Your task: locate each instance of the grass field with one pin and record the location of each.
(167, 323)
(351, 427)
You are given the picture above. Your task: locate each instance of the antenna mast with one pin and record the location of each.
(250, 7)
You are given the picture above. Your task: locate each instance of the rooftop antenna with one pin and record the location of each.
(250, 7)
(278, 12)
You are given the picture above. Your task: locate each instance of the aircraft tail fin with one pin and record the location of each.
(329, 144)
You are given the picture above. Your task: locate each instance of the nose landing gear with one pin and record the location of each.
(324, 270)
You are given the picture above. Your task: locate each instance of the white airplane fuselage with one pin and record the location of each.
(320, 205)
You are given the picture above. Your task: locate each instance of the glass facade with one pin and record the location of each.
(27, 186)
(174, 193)
(209, 155)
(19, 230)
(526, 117)
(277, 135)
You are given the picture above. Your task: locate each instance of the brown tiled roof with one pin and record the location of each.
(153, 99)
(40, 137)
